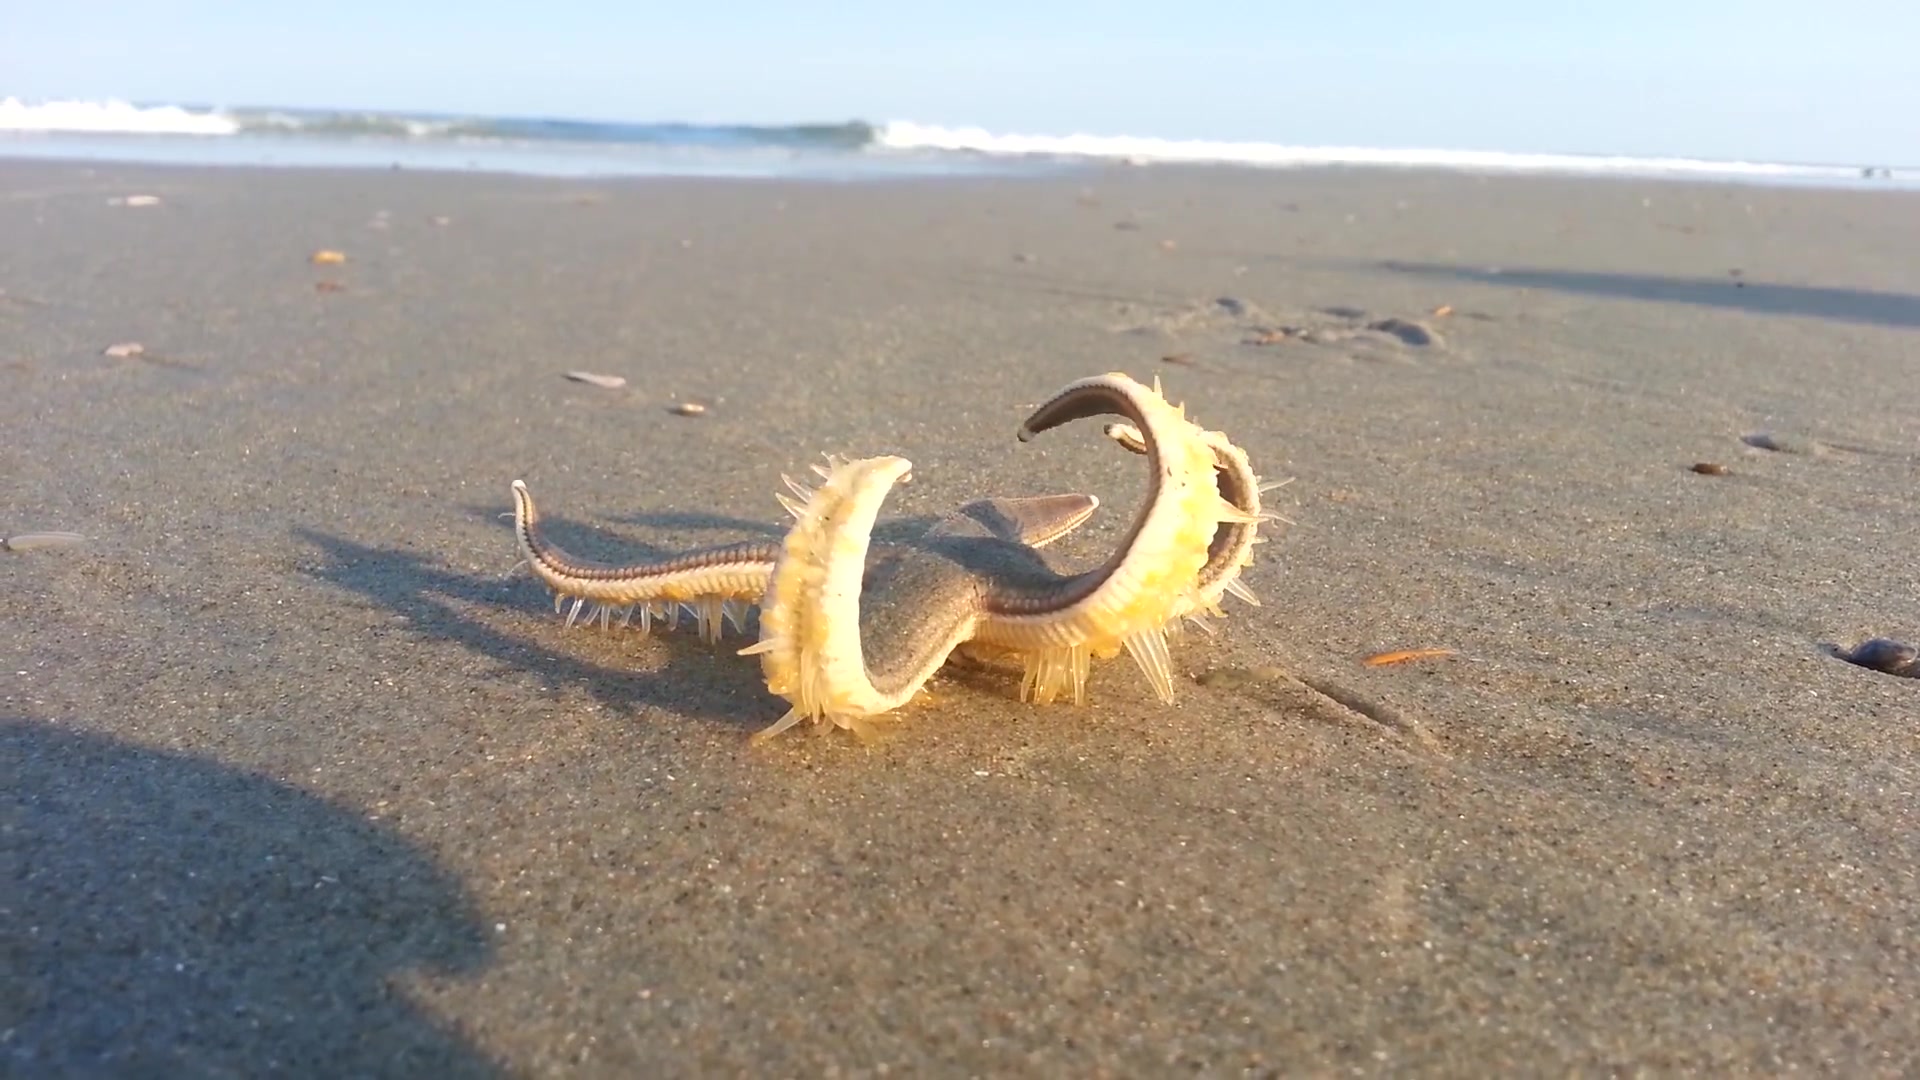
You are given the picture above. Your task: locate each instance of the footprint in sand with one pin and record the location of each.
(1781, 444)
(1355, 334)
(1764, 443)
(1341, 333)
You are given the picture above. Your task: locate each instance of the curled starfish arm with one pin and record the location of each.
(1231, 550)
(717, 584)
(811, 649)
(850, 629)
(1153, 575)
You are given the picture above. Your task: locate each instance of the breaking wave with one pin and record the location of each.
(111, 117)
(851, 141)
(119, 117)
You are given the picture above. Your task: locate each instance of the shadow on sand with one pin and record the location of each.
(436, 602)
(1844, 305)
(707, 682)
(169, 916)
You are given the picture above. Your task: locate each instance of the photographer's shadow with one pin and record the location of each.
(170, 916)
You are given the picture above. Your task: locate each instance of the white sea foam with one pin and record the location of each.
(902, 135)
(111, 117)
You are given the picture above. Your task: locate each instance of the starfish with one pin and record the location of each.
(851, 629)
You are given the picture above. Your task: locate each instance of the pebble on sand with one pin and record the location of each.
(126, 350)
(1885, 655)
(688, 408)
(328, 257)
(1710, 468)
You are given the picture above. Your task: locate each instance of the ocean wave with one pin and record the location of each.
(112, 117)
(119, 117)
(906, 136)
(899, 143)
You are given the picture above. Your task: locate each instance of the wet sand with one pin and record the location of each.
(303, 779)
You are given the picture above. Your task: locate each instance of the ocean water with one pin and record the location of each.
(850, 150)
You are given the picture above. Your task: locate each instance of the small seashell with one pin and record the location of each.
(689, 408)
(1442, 311)
(328, 257)
(124, 351)
(604, 382)
(38, 541)
(138, 200)
(1709, 468)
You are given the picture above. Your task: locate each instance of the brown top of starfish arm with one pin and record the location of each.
(1163, 429)
(1034, 520)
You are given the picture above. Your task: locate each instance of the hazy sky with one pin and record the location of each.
(1836, 81)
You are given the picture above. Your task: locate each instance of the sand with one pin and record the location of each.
(303, 780)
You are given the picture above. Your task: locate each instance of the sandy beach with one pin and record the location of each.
(304, 780)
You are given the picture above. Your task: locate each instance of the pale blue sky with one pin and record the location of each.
(1836, 81)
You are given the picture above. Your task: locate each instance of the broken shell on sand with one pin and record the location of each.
(40, 541)
(604, 382)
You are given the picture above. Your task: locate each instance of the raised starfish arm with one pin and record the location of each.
(716, 583)
(1035, 520)
(1150, 579)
